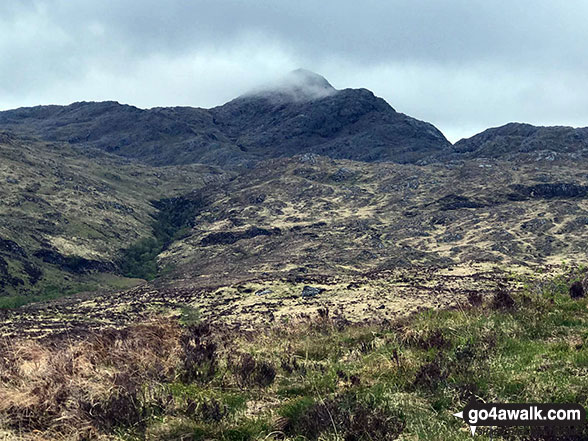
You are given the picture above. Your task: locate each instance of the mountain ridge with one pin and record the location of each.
(512, 139)
(302, 114)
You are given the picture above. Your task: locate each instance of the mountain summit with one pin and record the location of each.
(298, 85)
(302, 113)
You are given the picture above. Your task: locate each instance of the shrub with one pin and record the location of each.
(252, 373)
(199, 356)
(345, 415)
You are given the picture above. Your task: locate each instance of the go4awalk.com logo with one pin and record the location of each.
(512, 415)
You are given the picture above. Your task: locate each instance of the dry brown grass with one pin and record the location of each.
(66, 389)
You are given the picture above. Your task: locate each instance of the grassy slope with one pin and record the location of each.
(326, 380)
(321, 216)
(88, 206)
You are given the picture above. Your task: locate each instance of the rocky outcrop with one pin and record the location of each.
(311, 291)
(73, 264)
(230, 237)
(562, 190)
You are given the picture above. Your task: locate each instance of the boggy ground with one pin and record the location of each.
(324, 379)
(246, 304)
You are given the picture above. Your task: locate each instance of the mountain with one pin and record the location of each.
(302, 113)
(314, 181)
(524, 140)
(65, 218)
(311, 216)
(329, 269)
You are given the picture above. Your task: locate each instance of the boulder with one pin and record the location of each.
(311, 291)
(263, 292)
(342, 174)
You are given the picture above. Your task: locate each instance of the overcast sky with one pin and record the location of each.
(463, 65)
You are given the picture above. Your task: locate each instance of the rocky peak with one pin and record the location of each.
(299, 85)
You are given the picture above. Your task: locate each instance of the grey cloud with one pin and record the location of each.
(456, 31)
(299, 85)
(461, 64)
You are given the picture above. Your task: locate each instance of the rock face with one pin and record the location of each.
(301, 114)
(516, 139)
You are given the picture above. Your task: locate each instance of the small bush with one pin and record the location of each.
(252, 373)
(502, 300)
(577, 290)
(431, 374)
(475, 298)
(199, 354)
(435, 340)
(344, 415)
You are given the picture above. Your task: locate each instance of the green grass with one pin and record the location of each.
(56, 288)
(366, 383)
(172, 221)
(50, 292)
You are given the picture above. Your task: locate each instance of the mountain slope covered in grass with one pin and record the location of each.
(65, 217)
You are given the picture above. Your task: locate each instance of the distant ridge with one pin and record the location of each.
(302, 113)
(516, 139)
(298, 114)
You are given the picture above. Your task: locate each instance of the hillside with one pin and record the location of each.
(281, 120)
(524, 140)
(304, 217)
(312, 215)
(65, 217)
